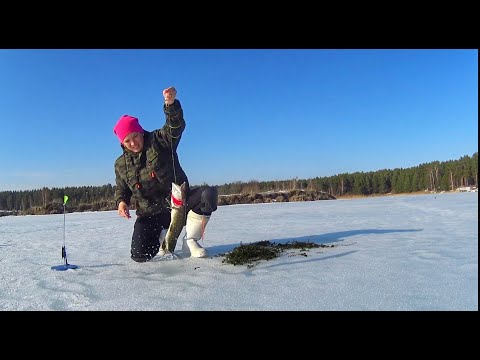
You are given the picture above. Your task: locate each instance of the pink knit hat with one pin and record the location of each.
(126, 125)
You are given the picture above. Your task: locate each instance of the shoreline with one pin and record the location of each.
(351, 197)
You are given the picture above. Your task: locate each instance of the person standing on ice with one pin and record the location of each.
(144, 173)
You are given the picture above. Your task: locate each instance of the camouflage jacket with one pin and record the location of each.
(146, 178)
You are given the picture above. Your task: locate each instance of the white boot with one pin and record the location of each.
(194, 229)
(163, 233)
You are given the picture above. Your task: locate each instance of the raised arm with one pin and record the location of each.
(172, 131)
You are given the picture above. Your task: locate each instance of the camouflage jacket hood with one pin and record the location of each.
(145, 179)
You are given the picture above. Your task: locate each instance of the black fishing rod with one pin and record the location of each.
(65, 265)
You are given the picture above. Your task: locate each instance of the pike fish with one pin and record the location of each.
(178, 216)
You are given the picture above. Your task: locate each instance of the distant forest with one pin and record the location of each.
(433, 177)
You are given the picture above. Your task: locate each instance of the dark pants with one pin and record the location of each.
(147, 229)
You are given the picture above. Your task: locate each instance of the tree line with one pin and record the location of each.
(434, 177)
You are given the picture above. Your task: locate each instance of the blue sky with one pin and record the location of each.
(251, 114)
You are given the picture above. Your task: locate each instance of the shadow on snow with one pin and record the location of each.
(327, 238)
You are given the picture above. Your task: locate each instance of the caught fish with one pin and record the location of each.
(178, 216)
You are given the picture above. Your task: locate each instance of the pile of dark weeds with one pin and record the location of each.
(265, 250)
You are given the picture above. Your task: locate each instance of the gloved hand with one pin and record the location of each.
(169, 95)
